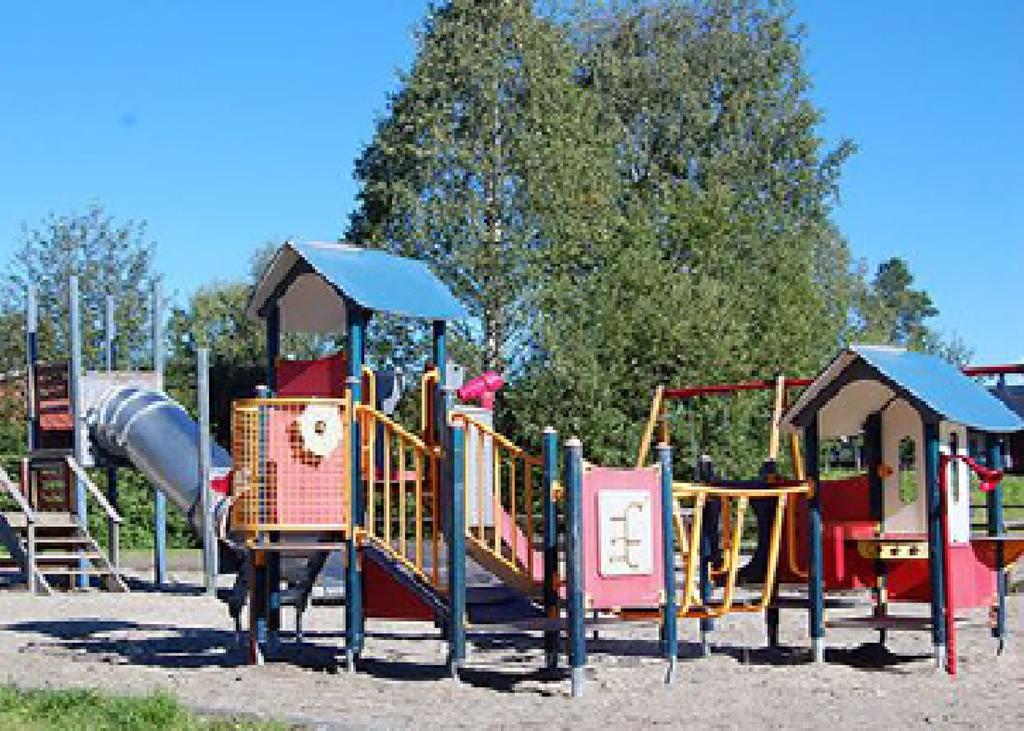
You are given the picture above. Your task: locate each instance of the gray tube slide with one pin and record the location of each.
(156, 435)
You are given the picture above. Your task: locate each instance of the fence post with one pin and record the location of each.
(574, 562)
(456, 550)
(670, 618)
(550, 523)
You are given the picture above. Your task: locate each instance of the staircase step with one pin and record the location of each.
(54, 571)
(63, 540)
(55, 557)
(19, 521)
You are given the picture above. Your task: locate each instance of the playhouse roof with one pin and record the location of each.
(312, 281)
(866, 378)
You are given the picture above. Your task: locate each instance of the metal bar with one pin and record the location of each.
(356, 318)
(993, 370)
(723, 388)
(440, 356)
(652, 422)
(480, 490)
(370, 424)
(670, 617)
(418, 457)
(936, 570)
(75, 394)
(815, 589)
(456, 551)
(387, 486)
(575, 600)
(401, 499)
(996, 526)
(498, 517)
(159, 500)
(514, 527)
(31, 361)
(435, 524)
(550, 527)
(528, 489)
(210, 569)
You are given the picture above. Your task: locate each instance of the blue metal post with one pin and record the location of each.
(876, 508)
(575, 604)
(936, 569)
(78, 432)
(815, 587)
(206, 498)
(440, 358)
(160, 502)
(995, 526)
(356, 318)
(31, 360)
(456, 540)
(670, 618)
(273, 558)
(550, 521)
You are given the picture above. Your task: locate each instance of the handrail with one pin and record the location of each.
(371, 392)
(684, 489)
(14, 492)
(431, 376)
(393, 425)
(499, 438)
(95, 491)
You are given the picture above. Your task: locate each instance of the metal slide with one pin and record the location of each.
(157, 436)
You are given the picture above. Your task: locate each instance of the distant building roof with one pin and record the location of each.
(865, 378)
(312, 281)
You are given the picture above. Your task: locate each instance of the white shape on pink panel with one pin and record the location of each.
(626, 533)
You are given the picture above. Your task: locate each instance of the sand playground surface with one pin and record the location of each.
(184, 642)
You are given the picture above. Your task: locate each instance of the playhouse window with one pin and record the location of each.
(908, 470)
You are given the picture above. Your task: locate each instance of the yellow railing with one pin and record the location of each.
(402, 486)
(502, 498)
(290, 465)
(735, 502)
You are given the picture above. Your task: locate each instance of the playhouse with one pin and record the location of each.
(903, 529)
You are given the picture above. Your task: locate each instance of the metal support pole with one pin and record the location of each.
(209, 535)
(273, 558)
(74, 388)
(936, 569)
(670, 618)
(815, 588)
(575, 602)
(876, 508)
(31, 360)
(550, 522)
(256, 566)
(160, 500)
(356, 318)
(440, 357)
(995, 526)
(456, 521)
(110, 352)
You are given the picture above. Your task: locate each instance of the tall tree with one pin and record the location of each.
(109, 257)
(489, 164)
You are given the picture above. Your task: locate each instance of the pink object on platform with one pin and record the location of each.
(605, 590)
(483, 389)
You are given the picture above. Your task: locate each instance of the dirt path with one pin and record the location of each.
(183, 643)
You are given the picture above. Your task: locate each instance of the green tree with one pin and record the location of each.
(109, 257)
(489, 164)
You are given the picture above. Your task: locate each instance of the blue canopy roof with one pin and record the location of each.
(931, 382)
(373, 279)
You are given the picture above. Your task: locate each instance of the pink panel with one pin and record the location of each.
(309, 489)
(625, 592)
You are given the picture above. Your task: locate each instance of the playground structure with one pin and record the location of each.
(319, 465)
(881, 529)
(47, 537)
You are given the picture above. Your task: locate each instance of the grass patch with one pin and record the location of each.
(34, 710)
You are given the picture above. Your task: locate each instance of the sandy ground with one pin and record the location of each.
(183, 642)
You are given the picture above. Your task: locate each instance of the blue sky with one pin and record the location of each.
(224, 125)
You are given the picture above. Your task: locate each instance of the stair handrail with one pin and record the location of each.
(93, 490)
(19, 498)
